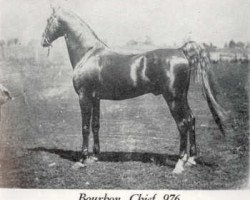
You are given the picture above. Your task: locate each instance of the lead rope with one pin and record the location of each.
(48, 51)
(50, 46)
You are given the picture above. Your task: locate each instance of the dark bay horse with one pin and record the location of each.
(100, 73)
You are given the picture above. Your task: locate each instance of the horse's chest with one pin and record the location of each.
(85, 76)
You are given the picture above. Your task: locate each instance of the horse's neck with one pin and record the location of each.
(75, 49)
(80, 39)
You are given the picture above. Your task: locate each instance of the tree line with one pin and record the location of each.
(234, 45)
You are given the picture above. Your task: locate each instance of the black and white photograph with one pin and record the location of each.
(124, 95)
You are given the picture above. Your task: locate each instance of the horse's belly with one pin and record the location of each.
(120, 92)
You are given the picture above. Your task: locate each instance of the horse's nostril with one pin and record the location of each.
(43, 42)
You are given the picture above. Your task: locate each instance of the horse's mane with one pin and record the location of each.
(83, 24)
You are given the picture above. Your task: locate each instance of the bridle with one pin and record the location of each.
(46, 39)
(48, 42)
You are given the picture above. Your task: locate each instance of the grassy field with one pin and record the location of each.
(40, 134)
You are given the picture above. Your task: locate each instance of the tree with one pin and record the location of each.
(232, 44)
(240, 45)
(210, 47)
(248, 45)
(13, 41)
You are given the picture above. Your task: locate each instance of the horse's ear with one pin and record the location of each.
(54, 6)
(53, 10)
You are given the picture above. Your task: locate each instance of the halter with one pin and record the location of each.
(48, 42)
(46, 39)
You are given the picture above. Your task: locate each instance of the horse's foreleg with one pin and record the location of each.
(86, 107)
(96, 125)
(182, 114)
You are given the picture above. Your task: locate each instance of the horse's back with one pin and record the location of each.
(155, 59)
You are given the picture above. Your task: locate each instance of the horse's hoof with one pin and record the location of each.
(177, 170)
(179, 167)
(96, 150)
(191, 161)
(95, 158)
(78, 165)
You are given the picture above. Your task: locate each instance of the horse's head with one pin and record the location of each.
(53, 30)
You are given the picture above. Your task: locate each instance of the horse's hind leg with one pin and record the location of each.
(184, 119)
(192, 142)
(96, 125)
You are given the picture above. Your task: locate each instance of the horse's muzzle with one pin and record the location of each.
(45, 42)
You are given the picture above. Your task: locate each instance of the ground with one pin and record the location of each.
(40, 136)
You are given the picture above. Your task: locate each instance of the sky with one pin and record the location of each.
(167, 22)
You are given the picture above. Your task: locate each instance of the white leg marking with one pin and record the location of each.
(179, 167)
(90, 160)
(78, 165)
(191, 161)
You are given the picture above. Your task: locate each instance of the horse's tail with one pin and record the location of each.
(200, 63)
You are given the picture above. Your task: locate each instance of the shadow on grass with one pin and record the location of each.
(158, 159)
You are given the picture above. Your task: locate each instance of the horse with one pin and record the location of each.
(101, 73)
